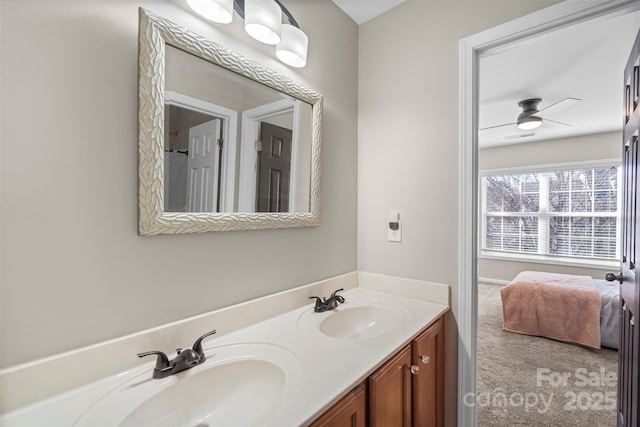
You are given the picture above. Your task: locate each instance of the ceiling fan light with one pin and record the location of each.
(214, 10)
(530, 122)
(292, 49)
(263, 20)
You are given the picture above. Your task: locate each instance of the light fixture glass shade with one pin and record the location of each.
(215, 10)
(529, 123)
(292, 49)
(263, 20)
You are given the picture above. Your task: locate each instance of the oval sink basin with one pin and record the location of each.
(215, 393)
(355, 319)
(359, 322)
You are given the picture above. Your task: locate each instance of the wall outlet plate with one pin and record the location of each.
(395, 233)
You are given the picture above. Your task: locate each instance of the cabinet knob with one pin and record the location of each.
(414, 369)
(425, 359)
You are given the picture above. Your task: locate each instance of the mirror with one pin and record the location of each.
(224, 144)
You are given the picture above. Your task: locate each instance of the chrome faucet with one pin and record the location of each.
(185, 359)
(326, 304)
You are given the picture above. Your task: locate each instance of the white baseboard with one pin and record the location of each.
(493, 281)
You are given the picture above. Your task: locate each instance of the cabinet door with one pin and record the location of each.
(390, 392)
(428, 383)
(350, 411)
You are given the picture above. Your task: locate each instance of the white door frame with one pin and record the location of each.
(248, 156)
(494, 40)
(229, 135)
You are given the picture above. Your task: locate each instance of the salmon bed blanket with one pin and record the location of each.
(563, 307)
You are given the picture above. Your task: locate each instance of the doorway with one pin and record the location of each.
(472, 48)
(200, 155)
(285, 178)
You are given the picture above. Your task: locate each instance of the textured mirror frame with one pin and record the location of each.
(154, 33)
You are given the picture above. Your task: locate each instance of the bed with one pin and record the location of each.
(609, 312)
(570, 308)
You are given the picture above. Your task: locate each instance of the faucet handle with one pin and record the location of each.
(319, 303)
(338, 298)
(162, 362)
(197, 346)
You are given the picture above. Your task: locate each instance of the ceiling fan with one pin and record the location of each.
(530, 118)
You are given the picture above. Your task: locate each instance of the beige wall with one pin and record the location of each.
(602, 146)
(504, 271)
(408, 141)
(74, 271)
(577, 149)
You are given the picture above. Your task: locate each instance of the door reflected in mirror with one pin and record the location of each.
(191, 160)
(273, 168)
(232, 144)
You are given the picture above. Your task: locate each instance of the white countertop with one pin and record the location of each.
(328, 367)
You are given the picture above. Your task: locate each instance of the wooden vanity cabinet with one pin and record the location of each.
(350, 411)
(407, 391)
(427, 386)
(390, 392)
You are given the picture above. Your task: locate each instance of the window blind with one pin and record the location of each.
(564, 212)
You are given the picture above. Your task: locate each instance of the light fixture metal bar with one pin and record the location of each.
(238, 6)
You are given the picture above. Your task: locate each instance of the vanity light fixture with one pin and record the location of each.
(292, 48)
(263, 20)
(217, 11)
(267, 21)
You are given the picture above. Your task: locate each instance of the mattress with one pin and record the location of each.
(562, 307)
(609, 312)
(530, 306)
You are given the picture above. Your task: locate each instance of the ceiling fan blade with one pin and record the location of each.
(556, 123)
(560, 105)
(498, 126)
(524, 135)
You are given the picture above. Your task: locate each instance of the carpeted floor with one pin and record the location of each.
(534, 381)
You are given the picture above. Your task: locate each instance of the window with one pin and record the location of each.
(552, 213)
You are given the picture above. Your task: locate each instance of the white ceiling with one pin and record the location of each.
(363, 10)
(584, 62)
